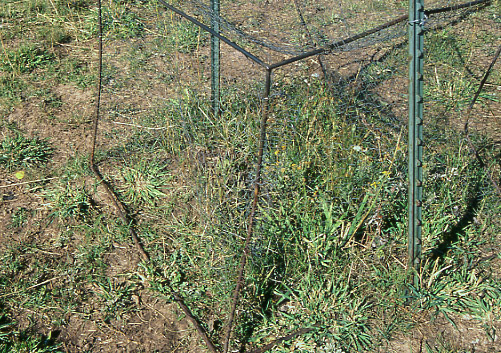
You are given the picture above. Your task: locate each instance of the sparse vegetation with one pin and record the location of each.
(12, 341)
(329, 250)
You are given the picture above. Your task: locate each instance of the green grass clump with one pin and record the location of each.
(122, 23)
(11, 89)
(18, 151)
(24, 59)
(116, 295)
(55, 35)
(143, 182)
(14, 341)
(19, 218)
(77, 5)
(185, 37)
(69, 201)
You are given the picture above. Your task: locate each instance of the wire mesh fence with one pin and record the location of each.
(306, 158)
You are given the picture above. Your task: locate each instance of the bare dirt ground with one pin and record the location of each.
(153, 325)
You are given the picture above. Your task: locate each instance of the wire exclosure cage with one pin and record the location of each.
(416, 19)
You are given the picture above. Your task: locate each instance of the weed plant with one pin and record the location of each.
(122, 23)
(185, 37)
(10, 91)
(68, 200)
(25, 59)
(12, 341)
(18, 151)
(19, 218)
(142, 183)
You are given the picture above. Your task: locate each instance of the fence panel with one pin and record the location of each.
(267, 218)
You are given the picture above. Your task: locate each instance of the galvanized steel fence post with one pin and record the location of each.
(215, 59)
(416, 36)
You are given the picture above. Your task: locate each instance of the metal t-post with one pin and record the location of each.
(416, 29)
(215, 59)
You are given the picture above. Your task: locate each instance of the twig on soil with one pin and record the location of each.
(30, 287)
(142, 127)
(27, 182)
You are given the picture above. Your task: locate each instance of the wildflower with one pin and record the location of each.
(357, 148)
(387, 173)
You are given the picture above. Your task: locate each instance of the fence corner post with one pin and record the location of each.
(416, 37)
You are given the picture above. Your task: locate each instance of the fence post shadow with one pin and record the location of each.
(467, 218)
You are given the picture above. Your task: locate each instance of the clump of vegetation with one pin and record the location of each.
(25, 59)
(13, 341)
(19, 151)
(143, 182)
(19, 217)
(122, 23)
(11, 89)
(185, 37)
(69, 201)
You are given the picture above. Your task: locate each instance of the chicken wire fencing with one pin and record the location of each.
(307, 148)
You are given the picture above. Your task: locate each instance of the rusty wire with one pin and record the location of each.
(122, 212)
(467, 120)
(116, 202)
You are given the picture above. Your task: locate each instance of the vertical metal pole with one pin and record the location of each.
(416, 29)
(215, 59)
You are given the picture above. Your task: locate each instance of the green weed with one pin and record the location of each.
(11, 91)
(122, 23)
(18, 151)
(55, 35)
(77, 5)
(20, 217)
(14, 341)
(77, 71)
(142, 183)
(24, 59)
(443, 344)
(184, 36)
(67, 200)
(116, 296)
(36, 6)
